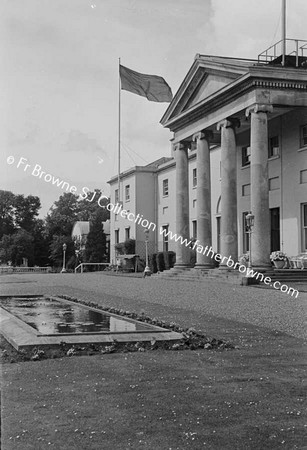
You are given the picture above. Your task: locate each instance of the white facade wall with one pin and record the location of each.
(166, 204)
(288, 193)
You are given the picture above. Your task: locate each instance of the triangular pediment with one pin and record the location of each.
(210, 84)
(207, 76)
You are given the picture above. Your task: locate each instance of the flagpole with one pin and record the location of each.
(283, 31)
(119, 126)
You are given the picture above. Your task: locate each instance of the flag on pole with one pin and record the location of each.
(154, 88)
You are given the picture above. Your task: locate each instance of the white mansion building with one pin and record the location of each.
(239, 146)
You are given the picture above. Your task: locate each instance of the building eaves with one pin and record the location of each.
(131, 171)
(256, 75)
(235, 67)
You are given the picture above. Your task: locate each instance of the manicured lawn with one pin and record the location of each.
(234, 399)
(250, 397)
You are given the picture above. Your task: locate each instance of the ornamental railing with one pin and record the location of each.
(10, 269)
(95, 266)
(293, 47)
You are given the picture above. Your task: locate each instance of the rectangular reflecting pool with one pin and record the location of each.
(49, 316)
(40, 320)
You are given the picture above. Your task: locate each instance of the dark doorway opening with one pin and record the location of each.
(275, 229)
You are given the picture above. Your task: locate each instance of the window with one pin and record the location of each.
(304, 227)
(303, 176)
(246, 190)
(116, 236)
(165, 209)
(116, 217)
(246, 154)
(194, 229)
(165, 238)
(194, 177)
(245, 234)
(165, 187)
(116, 196)
(127, 233)
(273, 146)
(127, 193)
(303, 136)
(274, 183)
(194, 203)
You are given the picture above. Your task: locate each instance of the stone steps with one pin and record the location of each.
(197, 275)
(233, 277)
(288, 275)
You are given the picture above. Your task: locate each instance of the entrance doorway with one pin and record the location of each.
(275, 229)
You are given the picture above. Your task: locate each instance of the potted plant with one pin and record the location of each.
(244, 259)
(278, 258)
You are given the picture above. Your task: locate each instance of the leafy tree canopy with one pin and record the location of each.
(17, 246)
(56, 249)
(62, 215)
(17, 211)
(26, 211)
(7, 222)
(68, 210)
(95, 247)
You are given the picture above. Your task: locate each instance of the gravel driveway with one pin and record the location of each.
(241, 305)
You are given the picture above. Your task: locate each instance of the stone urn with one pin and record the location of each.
(279, 264)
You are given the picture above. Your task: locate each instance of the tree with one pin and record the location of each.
(62, 216)
(7, 209)
(5, 248)
(26, 211)
(41, 244)
(93, 206)
(95, 247)
(17, 211)
(16, 247)
(56, 249)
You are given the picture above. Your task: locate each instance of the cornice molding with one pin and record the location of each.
(216, 102)
(280, 84)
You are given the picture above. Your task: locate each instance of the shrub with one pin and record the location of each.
(153, 263)
(169, 259)
(160, 262)
(126, 248)
(141, 265)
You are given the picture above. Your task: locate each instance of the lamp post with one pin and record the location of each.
(147, 271)
(249, 224)
(64, 253)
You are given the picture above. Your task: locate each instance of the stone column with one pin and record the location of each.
(261, 232)
(229, 224)
(182, 205)
(203, 261)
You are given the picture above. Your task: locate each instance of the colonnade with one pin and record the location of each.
(229, 218)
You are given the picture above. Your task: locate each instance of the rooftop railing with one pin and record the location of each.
(293, 47)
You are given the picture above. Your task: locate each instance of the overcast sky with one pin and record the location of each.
(59, 77)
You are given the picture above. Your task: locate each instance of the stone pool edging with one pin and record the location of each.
(167, 336)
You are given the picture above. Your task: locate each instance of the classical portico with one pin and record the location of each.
(229, 103)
